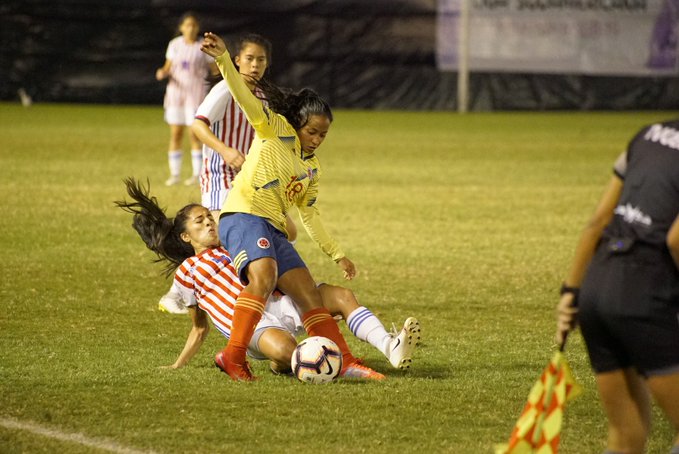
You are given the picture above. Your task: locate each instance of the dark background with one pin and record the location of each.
(358, 54)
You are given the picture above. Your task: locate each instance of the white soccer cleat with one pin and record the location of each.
(172, 180)
(403, 344)
(172, 303)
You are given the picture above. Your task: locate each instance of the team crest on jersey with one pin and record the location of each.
(263, 243)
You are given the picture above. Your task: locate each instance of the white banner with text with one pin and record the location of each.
(597, 37)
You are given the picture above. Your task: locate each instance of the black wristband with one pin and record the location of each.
(566, 289)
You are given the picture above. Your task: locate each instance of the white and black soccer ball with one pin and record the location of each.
(316, 360)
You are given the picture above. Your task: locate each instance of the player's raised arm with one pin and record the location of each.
(253, 108)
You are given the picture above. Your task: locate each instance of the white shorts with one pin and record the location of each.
(214, 199)
(181, 116)
(279, 313)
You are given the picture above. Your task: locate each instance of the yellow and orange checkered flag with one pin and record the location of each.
(538, 429)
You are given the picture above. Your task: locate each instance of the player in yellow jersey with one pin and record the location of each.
(281, 171)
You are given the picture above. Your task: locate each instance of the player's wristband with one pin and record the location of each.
(575, 291)
(566, 289)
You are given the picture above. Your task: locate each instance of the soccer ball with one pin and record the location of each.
(316, 360)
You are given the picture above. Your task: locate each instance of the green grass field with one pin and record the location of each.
(466, 222)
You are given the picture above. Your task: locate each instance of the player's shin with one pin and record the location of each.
(319, 322)
(246, 315)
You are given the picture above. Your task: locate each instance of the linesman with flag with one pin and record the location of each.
(625, 280)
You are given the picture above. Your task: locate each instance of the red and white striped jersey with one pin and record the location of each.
(187, 84)
(229, 124)
(210, 281)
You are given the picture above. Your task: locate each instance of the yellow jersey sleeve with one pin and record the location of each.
(311, 219)
(252, 107)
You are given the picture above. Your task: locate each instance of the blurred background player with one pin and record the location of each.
(623, 289)
(226, 135)
(281, 171)
(186, 69)
(207, 279)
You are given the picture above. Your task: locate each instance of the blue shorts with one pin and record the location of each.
(248, 237)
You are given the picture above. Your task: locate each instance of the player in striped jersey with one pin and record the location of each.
(226, 136)
(281, 171)
(186, 69)
(207, 279)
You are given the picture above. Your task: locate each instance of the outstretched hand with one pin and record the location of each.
(348, 268)
(213, 45)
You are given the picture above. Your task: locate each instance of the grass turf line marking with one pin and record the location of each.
(69, 437)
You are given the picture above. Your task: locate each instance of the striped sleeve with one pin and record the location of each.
(213, 106)
(185, 284)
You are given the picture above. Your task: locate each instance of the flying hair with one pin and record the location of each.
(160, 233)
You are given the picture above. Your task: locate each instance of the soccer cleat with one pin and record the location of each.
(191, 181)
(356, 370)
(174, 179)
(275, 371)
(403, 344)
(237, 372)
(172, 303)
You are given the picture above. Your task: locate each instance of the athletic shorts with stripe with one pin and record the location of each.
(248, 238)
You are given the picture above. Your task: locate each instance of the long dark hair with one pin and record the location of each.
(160, 233)
(296, 107)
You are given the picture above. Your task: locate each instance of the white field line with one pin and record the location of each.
(68, 437)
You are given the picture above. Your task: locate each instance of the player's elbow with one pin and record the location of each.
(201, 331)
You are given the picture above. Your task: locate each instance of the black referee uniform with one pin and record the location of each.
(629, 299)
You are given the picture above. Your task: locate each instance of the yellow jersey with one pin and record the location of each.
(276, 174)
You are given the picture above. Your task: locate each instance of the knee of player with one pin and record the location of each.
(343, 301)
(262, 276)
(281, 352)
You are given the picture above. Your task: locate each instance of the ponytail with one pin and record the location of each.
(160, 233)
(295, 107)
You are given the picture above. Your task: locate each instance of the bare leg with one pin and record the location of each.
(665, 389)
(338, 300)
(627, 405)
(300, 286)
(277, 345)
(261, 274)
(176, 137)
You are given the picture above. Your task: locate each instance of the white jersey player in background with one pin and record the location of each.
(186, 68)
(226, 136)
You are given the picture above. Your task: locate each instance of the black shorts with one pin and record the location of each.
(629, 313)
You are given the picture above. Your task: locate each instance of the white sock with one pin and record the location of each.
(368, 328)
(196, 161)
(174, 159)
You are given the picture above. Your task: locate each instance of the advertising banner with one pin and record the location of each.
(597, 37)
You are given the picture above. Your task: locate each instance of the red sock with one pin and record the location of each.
(246, 315)
(319, 322)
